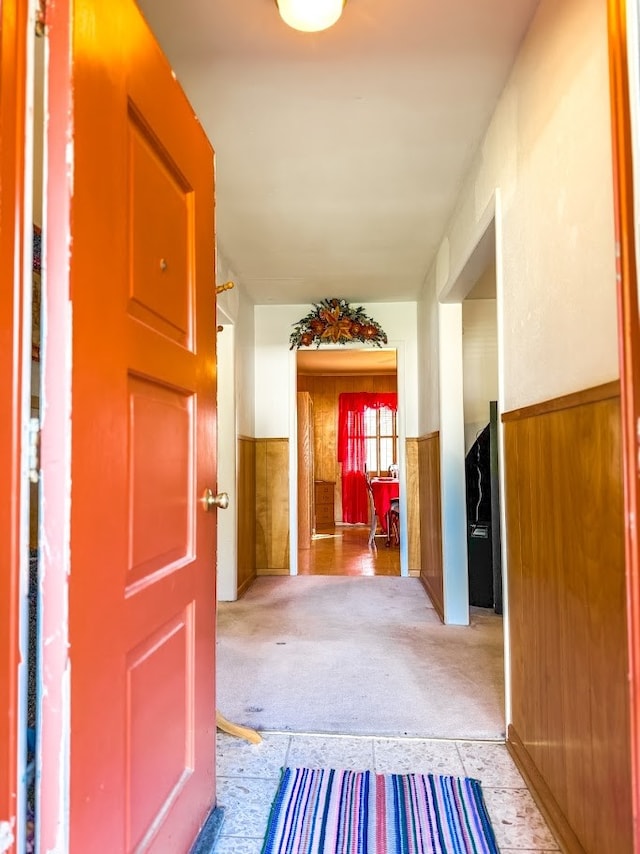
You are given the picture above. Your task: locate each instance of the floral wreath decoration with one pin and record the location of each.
(334, 321)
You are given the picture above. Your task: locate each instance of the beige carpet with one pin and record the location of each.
(359, 656)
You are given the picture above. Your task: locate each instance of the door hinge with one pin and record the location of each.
(34, 450)
(41, 18)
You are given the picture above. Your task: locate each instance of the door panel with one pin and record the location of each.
(140, 393)
(13, 28)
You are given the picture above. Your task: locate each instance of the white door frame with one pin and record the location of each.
(227, 553)
(487, 241)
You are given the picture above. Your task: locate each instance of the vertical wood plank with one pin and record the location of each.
(272, 506)
(565, 546)
(246, 513)
(305, 470)
(431, 566)
(413, 504)
(262, 499)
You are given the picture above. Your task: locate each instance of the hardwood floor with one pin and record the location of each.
(343, 550)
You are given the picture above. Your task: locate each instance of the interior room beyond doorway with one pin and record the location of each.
(344, 550)
(340, 533)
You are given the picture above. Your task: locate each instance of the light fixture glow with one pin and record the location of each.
(310, 16)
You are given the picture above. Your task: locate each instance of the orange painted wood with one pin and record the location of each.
(129, 402)
(565, 546)
(13, 28)
(432, 569)
(625, 216)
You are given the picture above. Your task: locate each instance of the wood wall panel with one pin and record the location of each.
(272, 506)
(246, 513)
(413, 505)
(431, 565)
(305, 470)
(325, 391)
(566, 570)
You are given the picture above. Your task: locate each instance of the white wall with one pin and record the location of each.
(479, 364)
(239, 311)
(235, 416)
(275, 363)
(428, 362)
(548, 149)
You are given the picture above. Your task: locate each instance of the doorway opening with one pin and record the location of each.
(471, 382)
(342, 530)
(481, 445)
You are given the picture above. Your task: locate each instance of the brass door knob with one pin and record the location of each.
(212, 501)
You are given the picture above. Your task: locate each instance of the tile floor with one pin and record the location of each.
(248, 777)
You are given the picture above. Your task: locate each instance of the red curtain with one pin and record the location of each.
(352, 449)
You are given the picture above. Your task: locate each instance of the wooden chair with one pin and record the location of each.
(393, 523)
(372, 511)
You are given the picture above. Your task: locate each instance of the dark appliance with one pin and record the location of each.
(483, 518)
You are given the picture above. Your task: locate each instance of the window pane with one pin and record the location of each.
(386, 454)
(372, 463)
(370, 422)
(386, 422)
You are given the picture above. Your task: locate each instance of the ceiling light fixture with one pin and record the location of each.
(310, 16)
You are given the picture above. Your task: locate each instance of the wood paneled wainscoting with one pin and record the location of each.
(431, 571)
(246, 512)
(272, 506)
(568, 639)
(413, 506)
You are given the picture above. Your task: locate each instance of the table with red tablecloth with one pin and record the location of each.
(384, 489)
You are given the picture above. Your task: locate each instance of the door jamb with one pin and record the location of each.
(54, 731)
(629, 350)
(487, 238)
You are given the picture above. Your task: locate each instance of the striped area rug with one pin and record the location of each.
(323, 811)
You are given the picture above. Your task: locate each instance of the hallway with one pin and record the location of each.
(359, 673)
(365, 656)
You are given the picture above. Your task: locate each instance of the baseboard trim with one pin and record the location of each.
(414, 573)
(437, 605)
(542, 795)
(242, 589)
(207, 839)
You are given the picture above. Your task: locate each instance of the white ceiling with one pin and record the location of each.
(339, 154)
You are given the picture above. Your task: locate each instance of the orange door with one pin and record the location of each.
(13, 16)
(128, 444)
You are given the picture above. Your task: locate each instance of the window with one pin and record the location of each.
(359, 447)
(381, 439)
